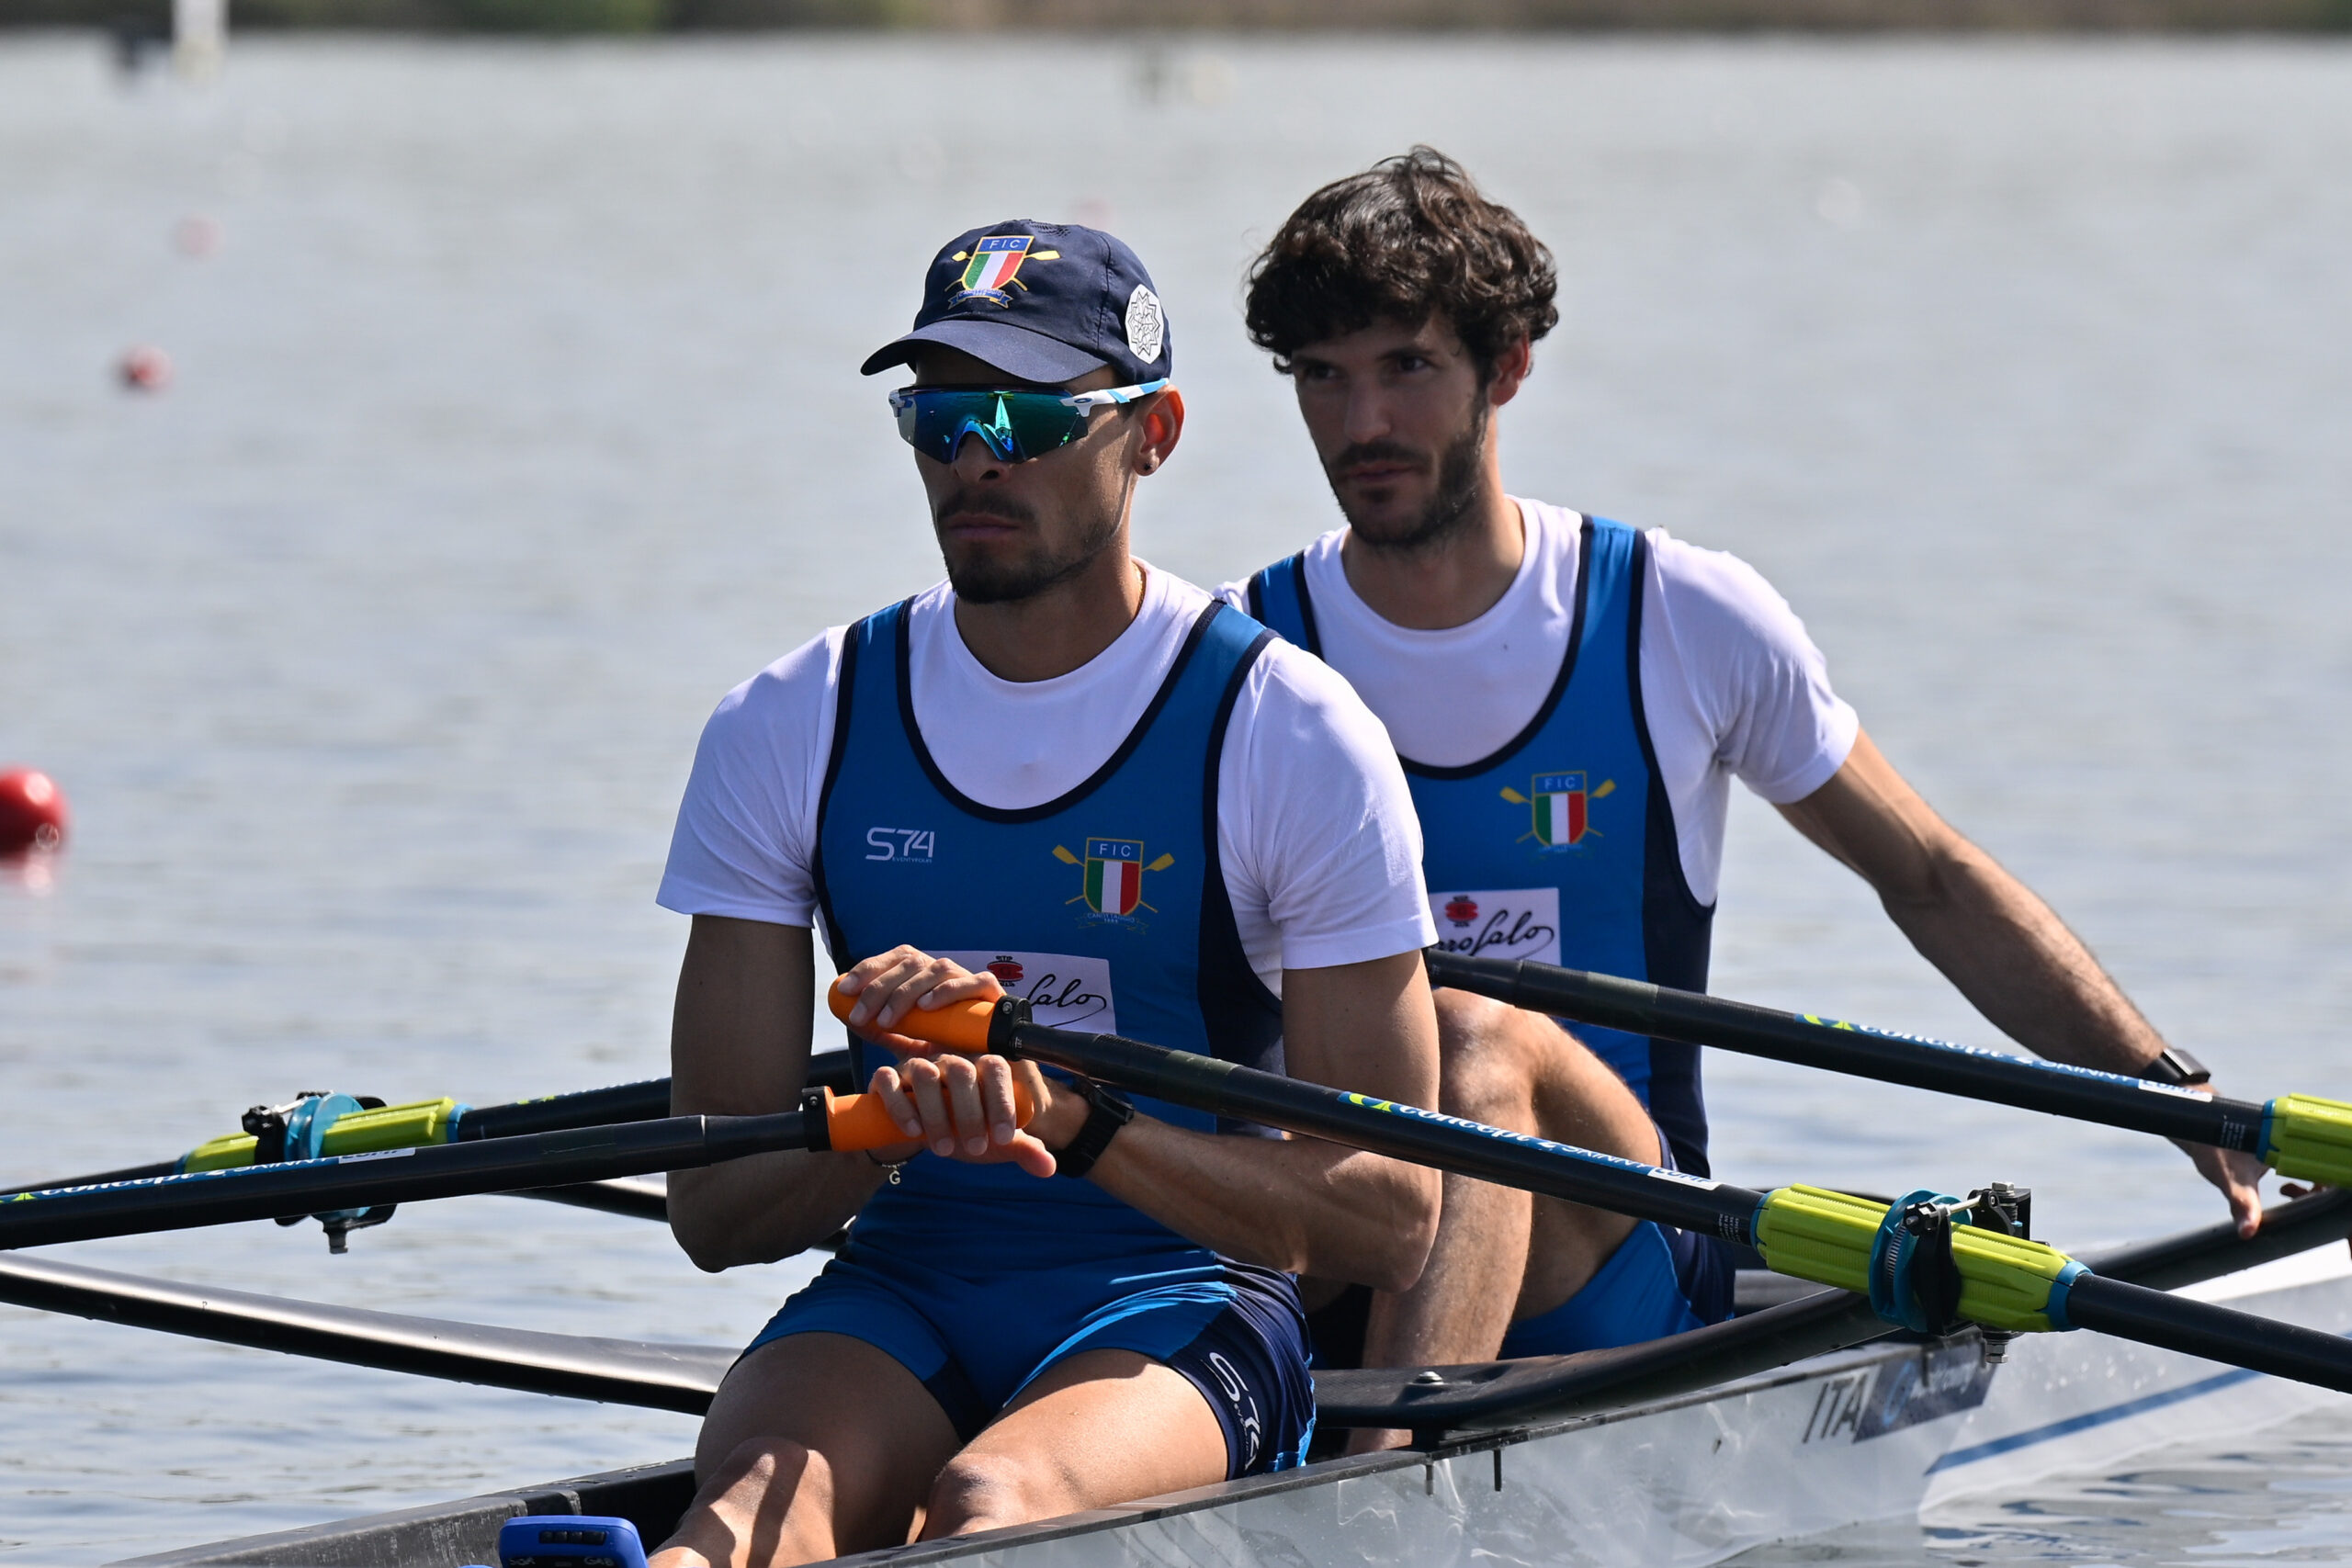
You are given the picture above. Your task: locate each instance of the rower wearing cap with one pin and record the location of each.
(1571, 698)
(1070, 775)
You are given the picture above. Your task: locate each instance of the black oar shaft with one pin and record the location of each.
(633, 1198)
(2215, 1333)
(2129, 1311)
(645, 1102)
(1402, 1131)
(2167, 1263)
(98, 1178)
(406, 1176)
(1638, 1007)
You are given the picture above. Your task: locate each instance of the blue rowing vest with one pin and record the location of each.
(1561, 846)
(1106, 908)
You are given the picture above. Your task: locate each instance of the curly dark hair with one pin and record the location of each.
(1409, 238)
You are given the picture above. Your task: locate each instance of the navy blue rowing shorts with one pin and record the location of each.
(1659, 1281)
(1235, 1332)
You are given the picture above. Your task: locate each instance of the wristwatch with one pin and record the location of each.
(1107, 1111)
(2177, 1066)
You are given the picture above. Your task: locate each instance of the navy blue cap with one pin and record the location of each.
(1042, 302)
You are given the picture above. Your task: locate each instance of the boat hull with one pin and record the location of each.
(1879, 1432)
(2073, 1403)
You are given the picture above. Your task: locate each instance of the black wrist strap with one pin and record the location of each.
(1107, 1111)
(2177, 1066)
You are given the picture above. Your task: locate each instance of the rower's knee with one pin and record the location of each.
(983, 1492)
(761, 1464)
(748, 1495)
(1486, 1070)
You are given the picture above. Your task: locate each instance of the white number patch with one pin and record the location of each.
(901, 843)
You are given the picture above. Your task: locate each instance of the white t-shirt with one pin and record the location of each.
(1731, 684)
(1321, 851)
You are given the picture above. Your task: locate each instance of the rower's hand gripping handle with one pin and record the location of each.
(847, 1121)
(861, 1121)
(963, 1027)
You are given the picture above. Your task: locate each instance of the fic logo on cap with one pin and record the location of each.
(994, 263)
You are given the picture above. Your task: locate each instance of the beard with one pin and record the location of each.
(1459, 470)
(983, 580)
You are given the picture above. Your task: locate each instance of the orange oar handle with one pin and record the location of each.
(862, 1122)
(963, 1027)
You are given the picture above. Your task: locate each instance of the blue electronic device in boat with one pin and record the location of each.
(569, 1541)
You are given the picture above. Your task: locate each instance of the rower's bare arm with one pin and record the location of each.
(2007, 951)
(738, 1046)
(1300, 1204)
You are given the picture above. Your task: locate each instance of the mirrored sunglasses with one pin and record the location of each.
(1014, 426)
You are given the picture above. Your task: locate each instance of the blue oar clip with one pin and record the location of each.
(307, 1122)
(1914, 1280)
(294, 1132)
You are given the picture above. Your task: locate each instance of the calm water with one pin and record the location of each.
(516, 418)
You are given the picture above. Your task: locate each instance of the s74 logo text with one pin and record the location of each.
(901, 843)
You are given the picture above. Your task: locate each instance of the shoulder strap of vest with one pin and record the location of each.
(866, 646)
(1610, 573)
(1230, 640)
(1665, 875)
(1279, 600)
(1244, 1019)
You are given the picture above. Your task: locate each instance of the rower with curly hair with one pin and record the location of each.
(1571, 698)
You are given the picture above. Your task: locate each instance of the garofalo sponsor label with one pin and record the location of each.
(1063, 991)
(1506, 922)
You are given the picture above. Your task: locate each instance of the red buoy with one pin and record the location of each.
(32, 811)
(147, 369)
(197, 235)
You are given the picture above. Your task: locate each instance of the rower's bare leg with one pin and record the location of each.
(1105, 1427)
(1500, 1254)
(1579, 1100)
(817, 1445)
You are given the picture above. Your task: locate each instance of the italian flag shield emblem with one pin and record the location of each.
(992, 264)
(1559, 804)
(1113, 875)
